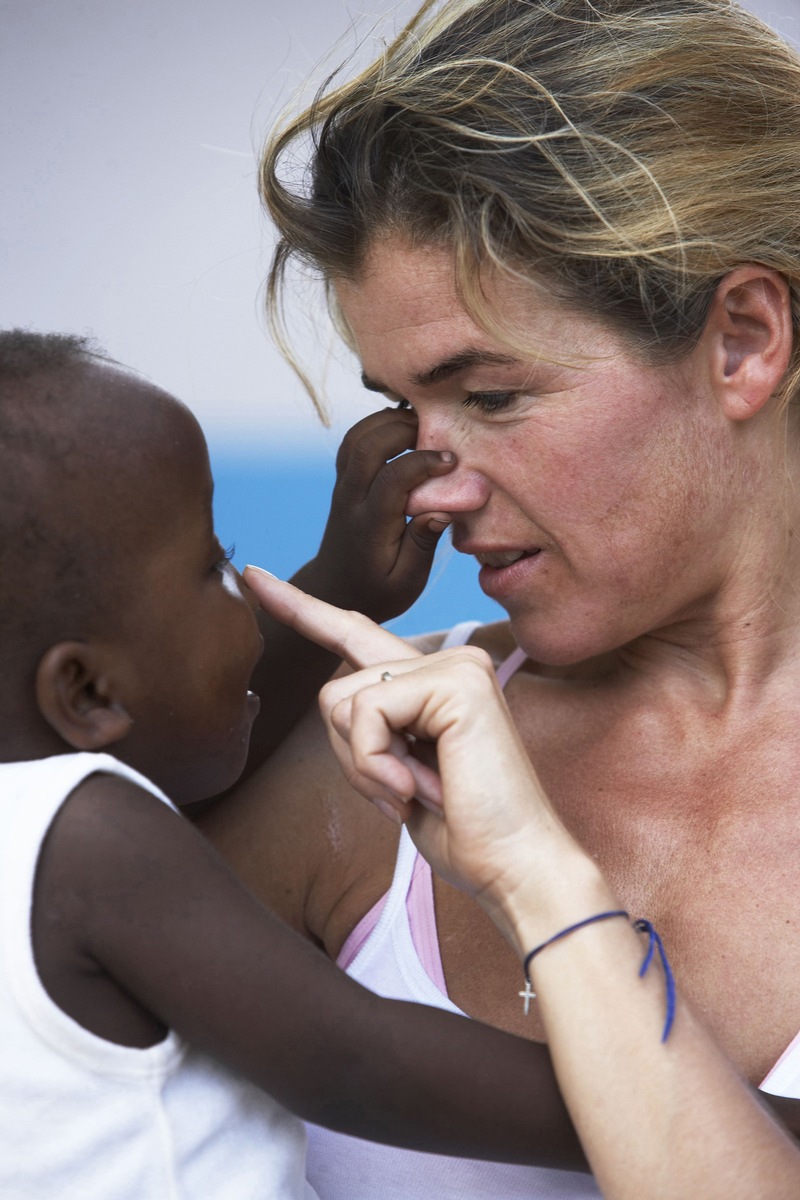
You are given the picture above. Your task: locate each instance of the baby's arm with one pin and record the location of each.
(371, 559)
(179, 934)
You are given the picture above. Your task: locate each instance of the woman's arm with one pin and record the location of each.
(670, 1120)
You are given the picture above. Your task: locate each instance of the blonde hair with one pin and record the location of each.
(627, 153)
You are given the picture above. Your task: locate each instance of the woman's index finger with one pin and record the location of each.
(351, 635)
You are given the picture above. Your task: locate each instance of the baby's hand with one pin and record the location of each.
(372, 558)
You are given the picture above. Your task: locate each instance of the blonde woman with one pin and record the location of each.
(567, 236)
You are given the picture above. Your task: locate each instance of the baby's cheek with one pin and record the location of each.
(230, 581)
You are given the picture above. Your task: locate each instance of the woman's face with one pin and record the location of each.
(592, 488)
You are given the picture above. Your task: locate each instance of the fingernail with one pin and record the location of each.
(437, 526)
(261, 571)
(447, 456)
(388, 810)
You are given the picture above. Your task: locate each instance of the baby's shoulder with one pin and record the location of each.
(112, 842)
(312, 849)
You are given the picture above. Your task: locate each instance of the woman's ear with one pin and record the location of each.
(749, 334)
(77, 697)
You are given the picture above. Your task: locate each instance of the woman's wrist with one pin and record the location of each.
(533, 901)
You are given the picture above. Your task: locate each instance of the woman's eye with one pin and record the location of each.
(489, 402)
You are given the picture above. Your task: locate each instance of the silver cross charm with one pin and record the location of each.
(528, 995)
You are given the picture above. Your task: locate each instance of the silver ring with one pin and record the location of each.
(386, 676)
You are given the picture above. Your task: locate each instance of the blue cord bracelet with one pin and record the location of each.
(655, 943)
(641, 926)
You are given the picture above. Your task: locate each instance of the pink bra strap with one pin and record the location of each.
(419, 901)
(510, 666)
(459, 635)
(422, 923)
(360, 933)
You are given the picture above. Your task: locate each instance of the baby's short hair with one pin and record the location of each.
(48, 567)
(24, 352)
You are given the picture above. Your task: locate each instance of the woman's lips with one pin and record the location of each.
(502, 571)
(501, 558)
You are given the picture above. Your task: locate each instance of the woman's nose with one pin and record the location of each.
(462, 490)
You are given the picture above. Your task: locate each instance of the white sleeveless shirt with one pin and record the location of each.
(87, 1119)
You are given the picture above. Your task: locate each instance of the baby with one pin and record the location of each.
(161, 1031)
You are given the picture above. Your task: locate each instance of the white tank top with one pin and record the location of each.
(87, 1119)
(390, 961)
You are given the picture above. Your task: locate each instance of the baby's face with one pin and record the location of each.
(187, 631)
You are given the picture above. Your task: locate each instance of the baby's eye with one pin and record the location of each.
(222, 563)
(489, 402)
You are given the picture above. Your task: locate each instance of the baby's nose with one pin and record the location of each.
(247, 592)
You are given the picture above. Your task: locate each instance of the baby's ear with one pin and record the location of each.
(77, 696)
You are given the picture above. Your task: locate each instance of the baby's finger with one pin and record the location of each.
(392, 484)
(421, 536)
(369, 444)
(350, 635)
(409, 471)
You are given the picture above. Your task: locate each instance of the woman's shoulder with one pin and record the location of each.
(305, 843)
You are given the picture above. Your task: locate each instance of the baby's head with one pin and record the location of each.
(124, 626)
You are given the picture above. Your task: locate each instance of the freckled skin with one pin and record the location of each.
(619, 472)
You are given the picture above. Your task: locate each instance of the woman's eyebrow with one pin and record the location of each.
(453, 365)
(371, 385)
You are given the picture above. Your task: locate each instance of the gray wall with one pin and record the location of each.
(129, 135)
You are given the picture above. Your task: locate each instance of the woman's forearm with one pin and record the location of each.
(669, 1120)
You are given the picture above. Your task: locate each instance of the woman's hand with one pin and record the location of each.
(481, 813)
(348, 634)
(475, 808)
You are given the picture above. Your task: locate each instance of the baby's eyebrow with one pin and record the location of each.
(453, 365)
